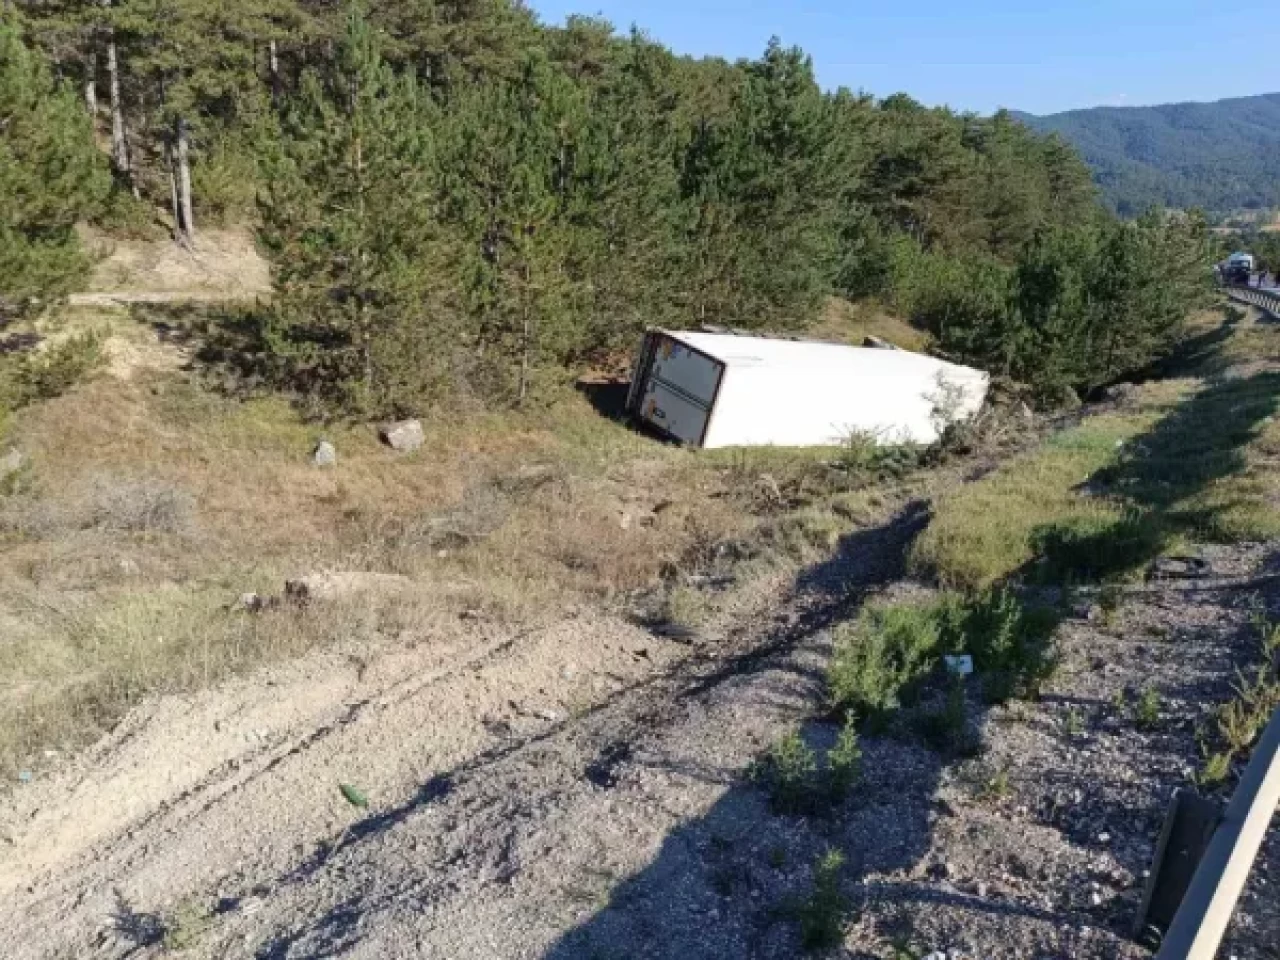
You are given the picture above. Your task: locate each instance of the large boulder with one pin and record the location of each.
(403, 435)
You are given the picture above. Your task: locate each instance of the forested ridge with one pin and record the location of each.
(1222, 156)
(457, 200)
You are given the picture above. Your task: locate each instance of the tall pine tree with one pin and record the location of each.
(51, 176)
(350, 223)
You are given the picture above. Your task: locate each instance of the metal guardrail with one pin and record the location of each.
(1210, 900)
(1268, 300)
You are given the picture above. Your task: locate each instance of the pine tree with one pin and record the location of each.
(510, 183)
(630, 217)
(351, 226)
(765, 188)
(51, 175)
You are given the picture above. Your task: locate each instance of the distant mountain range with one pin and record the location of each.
(1222, 156)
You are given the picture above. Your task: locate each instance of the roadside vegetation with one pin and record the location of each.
(1187, 460)
(1151, 472)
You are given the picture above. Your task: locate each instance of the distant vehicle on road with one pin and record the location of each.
(1238, 268)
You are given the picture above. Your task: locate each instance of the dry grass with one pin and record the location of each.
(152, 501)
(851, 323)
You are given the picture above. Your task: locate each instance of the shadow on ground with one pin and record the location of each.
(1167, 485)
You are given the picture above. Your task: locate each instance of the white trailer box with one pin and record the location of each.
(723, 390)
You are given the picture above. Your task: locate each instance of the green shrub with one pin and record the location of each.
(789, 770)
(795, 780)
(882, 652)
(1147, 713)
(1009, 641)
(49, 373)
(888, 649)
(821, 915)
(946, 727)
(844, 761)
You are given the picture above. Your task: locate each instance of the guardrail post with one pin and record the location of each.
(1210, 901)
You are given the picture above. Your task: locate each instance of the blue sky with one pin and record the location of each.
(1036, 55)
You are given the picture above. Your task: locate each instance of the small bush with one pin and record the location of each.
(789, 771)
(185, 926)
(888, 649)
(49, 373)
(822, 914)
(946, 727)
(1147, 713)
(882, 652)
(1216, 769)
(144, 505)
(798, 784)
(844, 761)
(1074, 724)
(997, 786)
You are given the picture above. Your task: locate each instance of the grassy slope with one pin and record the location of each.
(155, 497)
(1191, 458)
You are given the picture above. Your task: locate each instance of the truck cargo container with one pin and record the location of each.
(726, 390)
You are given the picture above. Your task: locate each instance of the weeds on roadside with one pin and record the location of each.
(822, 913)
(186, 925)
(1238, 722)
(1216, 769)
(797, 783)
(888, 650)
(1074, 723)
(997, 786)
(788, 770)
(1147, 712)
(844, 761)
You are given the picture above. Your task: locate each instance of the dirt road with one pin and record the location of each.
(494, 810)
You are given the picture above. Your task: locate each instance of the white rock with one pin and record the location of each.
(325, 454)
(11, 462)
(404, 435)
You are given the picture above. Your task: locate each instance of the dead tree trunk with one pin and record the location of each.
(176, 207)
(119, 145)
(273, 64)
(91, 84)
(186, 223)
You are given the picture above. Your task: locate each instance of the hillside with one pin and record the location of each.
(1220, 156)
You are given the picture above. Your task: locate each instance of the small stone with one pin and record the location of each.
(325, 454)
(11, 463)
(404, 436)
(250, 602)
(1096, 899)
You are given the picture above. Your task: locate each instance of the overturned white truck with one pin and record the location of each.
(727, 390)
